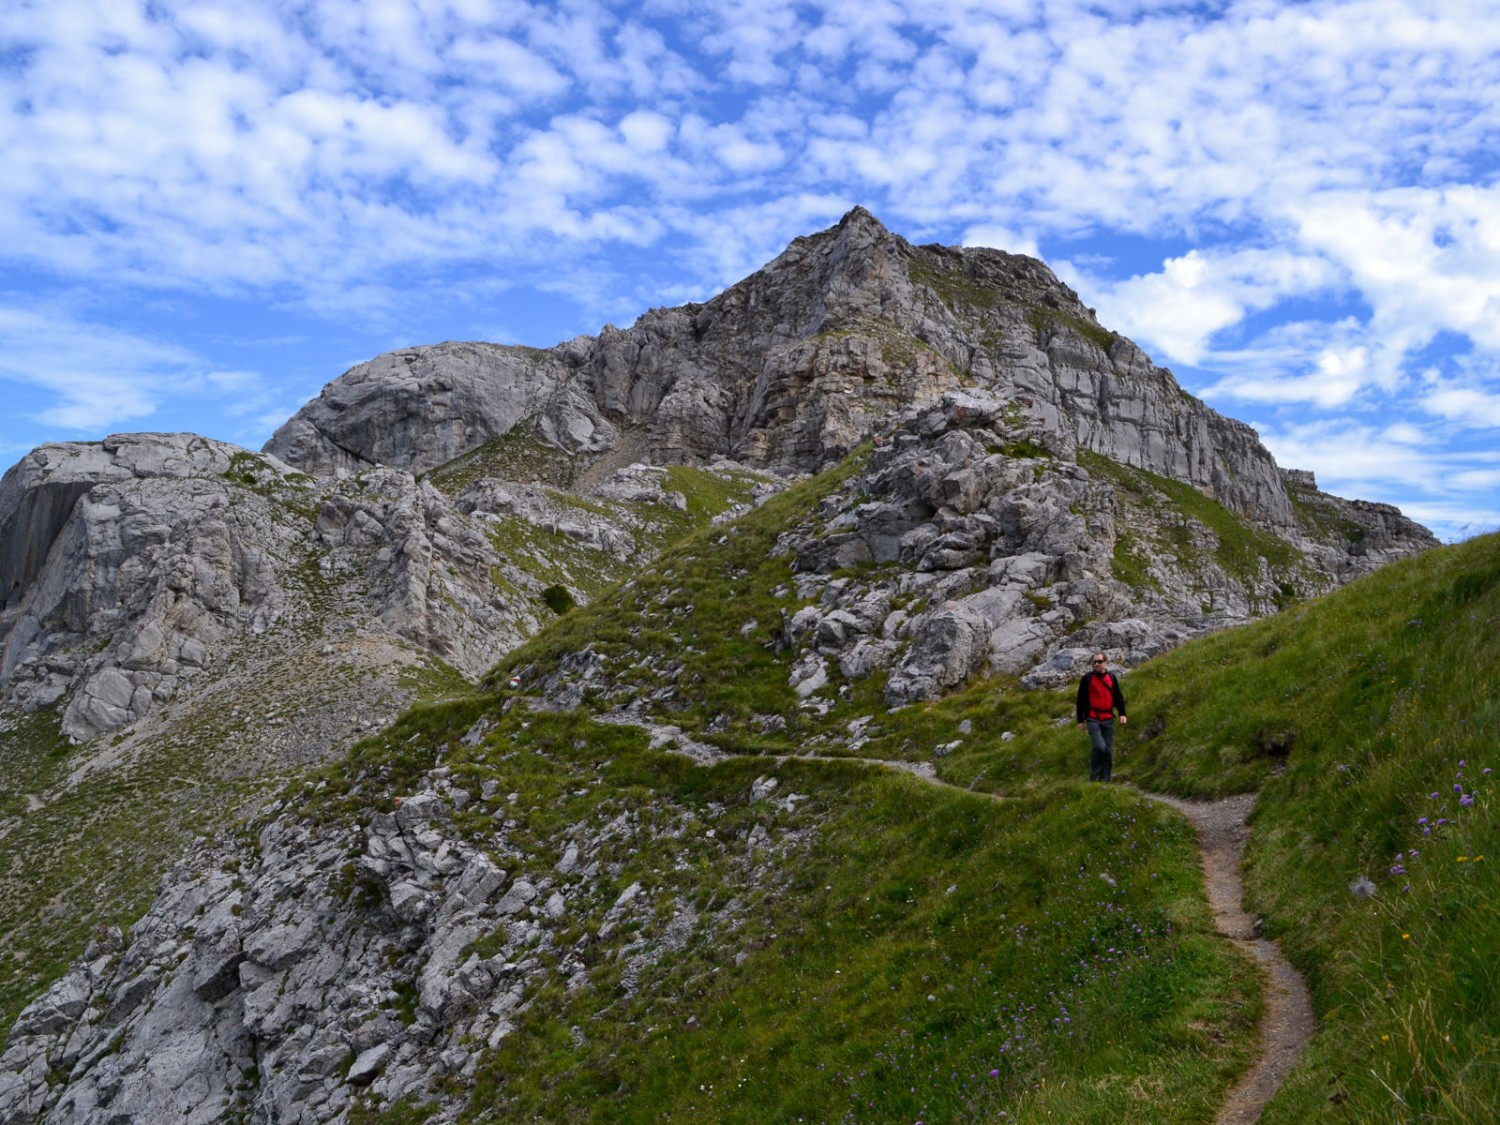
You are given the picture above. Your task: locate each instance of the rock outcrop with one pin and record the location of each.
(280, 983)
(419, 408)
(153, 557)
(794, 366)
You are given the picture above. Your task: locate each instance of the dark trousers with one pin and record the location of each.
(1101, 749)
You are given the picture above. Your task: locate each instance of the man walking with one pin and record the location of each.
(1099, 697)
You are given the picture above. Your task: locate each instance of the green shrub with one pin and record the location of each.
(558, 599)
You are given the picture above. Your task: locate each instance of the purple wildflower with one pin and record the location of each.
(1466, 800)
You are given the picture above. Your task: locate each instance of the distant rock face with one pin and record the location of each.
(794, 366)
(149, 559)
(422, 407)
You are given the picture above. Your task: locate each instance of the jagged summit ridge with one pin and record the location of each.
(792, 367)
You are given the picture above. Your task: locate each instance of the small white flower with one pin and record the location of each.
(1362, 888)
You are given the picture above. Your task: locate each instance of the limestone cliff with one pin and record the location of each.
(794, 366)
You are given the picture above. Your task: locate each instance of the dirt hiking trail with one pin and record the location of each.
(1287, 1022)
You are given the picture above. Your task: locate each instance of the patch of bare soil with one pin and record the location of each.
(1288, 1022)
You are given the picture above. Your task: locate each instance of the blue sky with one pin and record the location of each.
(209, 209)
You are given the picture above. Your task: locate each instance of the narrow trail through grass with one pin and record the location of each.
(1288, 1023)
(1222, 828)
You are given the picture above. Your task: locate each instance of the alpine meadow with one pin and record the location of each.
(678, 724)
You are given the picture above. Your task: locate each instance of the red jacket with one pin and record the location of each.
(1099, 696)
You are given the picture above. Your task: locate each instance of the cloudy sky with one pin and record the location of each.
(210, 209)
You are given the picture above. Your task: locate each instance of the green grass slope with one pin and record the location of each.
(888, 950)
(1367, 720)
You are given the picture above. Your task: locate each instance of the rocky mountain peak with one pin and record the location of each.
(1016, 486)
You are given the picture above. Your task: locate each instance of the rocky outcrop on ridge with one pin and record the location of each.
(420, 408)
(794, 366)
(175, 549)
(381, 962)
(966, 546)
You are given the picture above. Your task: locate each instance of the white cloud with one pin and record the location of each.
(510, 65)
(1406, 433)
(1179, 310)
(1471, 407)
(95, 377)
(1355, 459)
(1426, 259)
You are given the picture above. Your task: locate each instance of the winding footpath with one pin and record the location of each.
(1288, 1021)
(1222, 827)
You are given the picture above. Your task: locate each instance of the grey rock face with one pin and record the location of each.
(176, 550)
(418, 408)
(330, 965)
(151, 555)
(1010, 558)
(794, 366)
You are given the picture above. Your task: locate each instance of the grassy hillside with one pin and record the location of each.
(1017, 944)
(1365, 719)
(860, 945)
(1369, 720)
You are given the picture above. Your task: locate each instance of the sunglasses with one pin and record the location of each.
(1101, 662)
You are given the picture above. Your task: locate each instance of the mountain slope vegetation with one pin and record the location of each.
(930, 933)
(772, 807)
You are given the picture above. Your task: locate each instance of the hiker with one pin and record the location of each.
(1099, 697)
